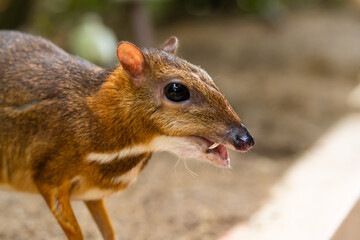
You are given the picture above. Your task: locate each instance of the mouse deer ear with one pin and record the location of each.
(171, 45)
(132, 60)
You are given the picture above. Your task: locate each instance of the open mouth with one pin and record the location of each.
(218, 151)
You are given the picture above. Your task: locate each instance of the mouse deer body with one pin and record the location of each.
(72, 130)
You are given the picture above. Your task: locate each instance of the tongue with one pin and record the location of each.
(222, 150)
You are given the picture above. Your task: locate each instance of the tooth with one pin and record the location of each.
(214, 146)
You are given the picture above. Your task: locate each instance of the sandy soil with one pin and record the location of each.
(287, 81)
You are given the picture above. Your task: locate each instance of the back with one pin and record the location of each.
(33, 68)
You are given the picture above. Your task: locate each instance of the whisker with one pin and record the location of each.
(176, 165)
(228, 170)
(192, 173)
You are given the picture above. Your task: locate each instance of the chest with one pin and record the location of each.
(104, 178)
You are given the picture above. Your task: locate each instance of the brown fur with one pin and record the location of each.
(55, 109)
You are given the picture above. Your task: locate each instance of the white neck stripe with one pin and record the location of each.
(176, 145)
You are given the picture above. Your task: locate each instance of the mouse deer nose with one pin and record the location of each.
(242, 139)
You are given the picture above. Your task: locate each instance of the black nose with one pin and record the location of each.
(243, 141)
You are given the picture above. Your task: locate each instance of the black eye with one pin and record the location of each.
(176, 92)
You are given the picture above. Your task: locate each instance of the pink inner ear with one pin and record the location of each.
(131, 59)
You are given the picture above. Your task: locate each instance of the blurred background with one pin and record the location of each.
(286, 66)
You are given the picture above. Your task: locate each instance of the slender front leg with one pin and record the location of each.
(99, 214)
(58, 200)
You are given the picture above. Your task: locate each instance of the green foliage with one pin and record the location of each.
(46, 17)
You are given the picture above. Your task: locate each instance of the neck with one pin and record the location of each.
(117, 122)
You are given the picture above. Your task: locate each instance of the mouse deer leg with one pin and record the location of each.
(100, 215)
(58, 200)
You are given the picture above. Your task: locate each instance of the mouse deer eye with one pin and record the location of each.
(176, 92)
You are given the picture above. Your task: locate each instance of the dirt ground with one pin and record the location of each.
(288, 81)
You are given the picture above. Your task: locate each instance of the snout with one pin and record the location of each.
(242, 140)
